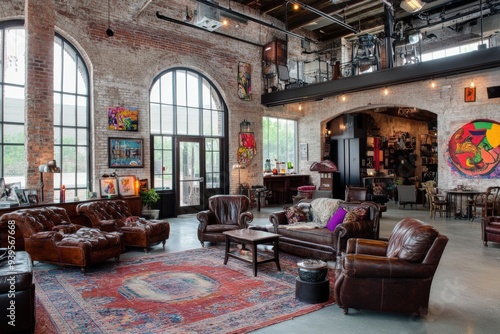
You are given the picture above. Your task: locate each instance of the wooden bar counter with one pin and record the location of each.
(283, 187)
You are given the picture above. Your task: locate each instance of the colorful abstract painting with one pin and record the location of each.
(475, 149)
(123, 118)
(244, 81)
(247, 148)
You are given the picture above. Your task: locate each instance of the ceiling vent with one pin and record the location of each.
(207, 17)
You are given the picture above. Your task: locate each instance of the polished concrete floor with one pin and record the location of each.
(465, 294)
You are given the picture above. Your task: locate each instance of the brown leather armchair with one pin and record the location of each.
(355, 194)
(114, 215)
(390, 276)
(49, 236)
(225, 213)
(490, 229)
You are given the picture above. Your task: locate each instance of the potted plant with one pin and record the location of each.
(149, 198)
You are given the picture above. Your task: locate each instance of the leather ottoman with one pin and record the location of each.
(17, 295)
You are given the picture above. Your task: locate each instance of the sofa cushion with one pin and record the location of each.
(357, 214)
(294, 214)
(337, 219)
(323, 208)
(320, 236)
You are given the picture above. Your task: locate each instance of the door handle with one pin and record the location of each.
(201, 179)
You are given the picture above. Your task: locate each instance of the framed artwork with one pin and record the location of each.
(245, 81)
(21, 197)
(126, 185)
(470, 94)
(303, 151)
(31, 196)
(109, 187)
(143, 185)
(123, 118)
(125, 153)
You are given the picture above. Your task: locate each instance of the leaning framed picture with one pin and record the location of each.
(31, 195)
(109, 187)
(126, 185)
(143, 185)
(125, 153)
(21, 197)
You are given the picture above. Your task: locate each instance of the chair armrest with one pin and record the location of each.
(206, 218)
(278, 218)
(370, 266)
(366, 246)
(245, 218)
(357, 229)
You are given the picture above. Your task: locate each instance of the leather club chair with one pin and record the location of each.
(50, 237)
(115, 215)
(390, 276)
(225, 213)
(490, 229)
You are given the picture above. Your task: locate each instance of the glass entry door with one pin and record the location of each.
(191, 175)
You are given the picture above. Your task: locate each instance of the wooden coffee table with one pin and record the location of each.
(252, 238)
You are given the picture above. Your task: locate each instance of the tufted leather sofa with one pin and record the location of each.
(114, 215)
(49, 236)
(393, 275)
(321, 243)
(225, 213)
(20, 272)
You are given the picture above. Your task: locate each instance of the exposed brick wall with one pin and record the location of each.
(39, 103)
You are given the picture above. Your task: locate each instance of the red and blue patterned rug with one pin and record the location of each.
(185, 292)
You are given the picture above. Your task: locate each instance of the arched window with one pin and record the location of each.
(71, 119)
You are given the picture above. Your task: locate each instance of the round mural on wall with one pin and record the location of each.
(475, 149)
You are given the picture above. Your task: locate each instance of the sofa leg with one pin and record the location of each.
(146, 250)
(163, 243)
(117, 258)
(346, 310)
(83, 270)
(485, 243)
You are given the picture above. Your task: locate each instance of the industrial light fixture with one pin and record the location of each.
(187, 18)
(109, 31)
(412, 6)
(50, 167)
(245, 126)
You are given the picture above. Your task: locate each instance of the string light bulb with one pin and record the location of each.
(300, 106)
(386, 91)
(296, 6)
(472, 85)
(433, 84)
(343, 97)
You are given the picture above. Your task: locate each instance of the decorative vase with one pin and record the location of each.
(312, 270)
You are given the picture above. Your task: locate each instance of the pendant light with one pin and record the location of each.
(109, 31)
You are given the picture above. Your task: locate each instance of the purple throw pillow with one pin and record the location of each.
(337, 218)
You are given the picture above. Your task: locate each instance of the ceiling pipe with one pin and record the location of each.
(249, 18)
(166, 18)
(325, 15)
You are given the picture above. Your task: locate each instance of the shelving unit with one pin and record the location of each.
(429, 156)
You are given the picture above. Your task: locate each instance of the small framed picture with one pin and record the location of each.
(31, 195)
(21, 197)
(109, 187)
(143, 185)
(126, 185)
(470, 94)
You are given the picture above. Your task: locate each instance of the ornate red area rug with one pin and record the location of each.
(185, 292)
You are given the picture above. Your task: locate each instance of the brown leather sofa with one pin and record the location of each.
(321, 243)
(114, 215)
(490, 227)
(22, 313)
(393, 275)
(49, 236)
(225, 213)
